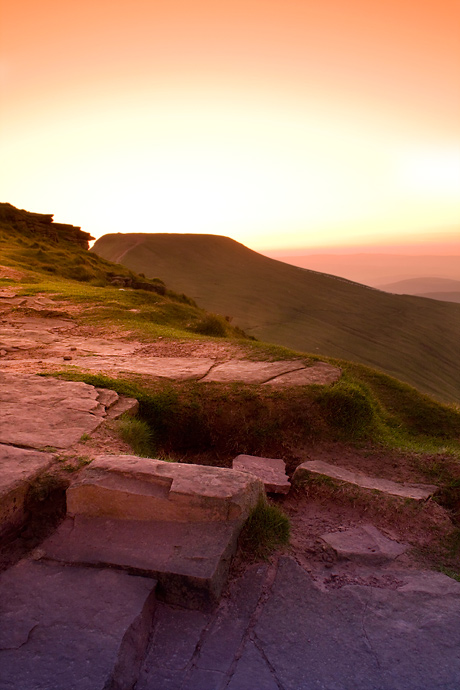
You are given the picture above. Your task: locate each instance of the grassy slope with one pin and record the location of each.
(414, 339)
(72, 273)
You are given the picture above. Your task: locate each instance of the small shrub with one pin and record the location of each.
(79, 273)
(266, 529)
(212, 325)
(348, 409)
(137, 433)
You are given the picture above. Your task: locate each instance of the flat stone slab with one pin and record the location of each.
(189, 560)
(40, 412)
(320, 373)
(271, 471)
(251, 372)
(365, 544)
(359, 637)
(72, 628)
(132, 488)
(18, 469)
(177, 368)
(417, 492)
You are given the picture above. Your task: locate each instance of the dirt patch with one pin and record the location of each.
(191, 348)
(8, 273)
(316, 510)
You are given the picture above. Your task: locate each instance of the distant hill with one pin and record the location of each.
(434, 288)
(377, 269)
(413, 339)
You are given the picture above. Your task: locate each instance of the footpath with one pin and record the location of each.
(135, 588)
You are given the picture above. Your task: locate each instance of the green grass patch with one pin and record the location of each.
(266, 529)
(350, 409)
(228, 419)
(137, 433)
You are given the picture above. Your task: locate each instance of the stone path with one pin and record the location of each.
(52, 344)
(278, 628)
(120, 596)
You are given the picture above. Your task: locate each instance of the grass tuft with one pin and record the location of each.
(138, 434)
(266, 529)
(212, 325)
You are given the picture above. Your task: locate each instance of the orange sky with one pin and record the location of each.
(281, 123)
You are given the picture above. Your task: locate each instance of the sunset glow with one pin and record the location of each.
(280, 124)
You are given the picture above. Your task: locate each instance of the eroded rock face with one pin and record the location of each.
(42, 226)
(18, 469)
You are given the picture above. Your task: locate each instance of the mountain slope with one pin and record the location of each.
(412, 338)
(435, 288)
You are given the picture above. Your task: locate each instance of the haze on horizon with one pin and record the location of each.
(327, 126)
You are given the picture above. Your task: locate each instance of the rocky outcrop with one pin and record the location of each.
(42, 226)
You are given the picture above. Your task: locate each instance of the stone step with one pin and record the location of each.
(71, 627)
(124, 405)
(416, 492)
(189, 560)
(176, 522)
(271, 471)
(127, 487)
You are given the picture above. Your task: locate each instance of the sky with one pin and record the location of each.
(288, 125)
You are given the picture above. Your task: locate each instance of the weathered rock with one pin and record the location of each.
(72, 628)
(40, 413)
(189, 560)
(124, 405)
(132, 488)
(251, 372)
(417, 492)
(18, 469)
(107, 397)
(365, 544)
(319, 373)
(271, 471)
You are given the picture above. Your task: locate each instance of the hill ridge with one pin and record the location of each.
(411, 338)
